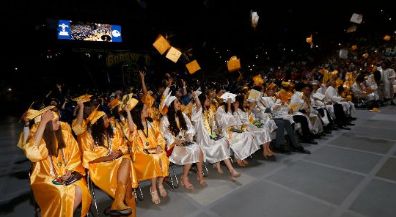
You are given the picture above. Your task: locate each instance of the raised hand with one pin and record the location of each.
(47, 116)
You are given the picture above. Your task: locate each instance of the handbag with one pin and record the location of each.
(74, 177)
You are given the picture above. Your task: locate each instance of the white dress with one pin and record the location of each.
(314, 123)
(215, 150)
(242, 144)
(388, 78)
(265, 118)
(261, 135)
(331, 95)
(181, 155)
(316, 104)
(277, 109)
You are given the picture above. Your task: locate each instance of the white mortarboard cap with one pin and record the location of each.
(228, 95)
(343, 54)
(255, 18)
(198, 92)
(356, 18)
(254, 95)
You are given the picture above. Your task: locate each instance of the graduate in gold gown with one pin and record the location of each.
(148, 150)
(106, 156)
(56, 159)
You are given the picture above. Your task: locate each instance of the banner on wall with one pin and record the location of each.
(127, 57)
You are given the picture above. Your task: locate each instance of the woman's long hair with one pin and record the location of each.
(240, 100)
(99, 132)
(52, 137)
(172, 120)
(136, 116)
(202, 99)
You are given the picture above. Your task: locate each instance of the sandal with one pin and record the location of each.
(154, 197)
(201, 180)
(187, 185)
(162, 191)
(235, 174)
(240, 163)
(217, 166)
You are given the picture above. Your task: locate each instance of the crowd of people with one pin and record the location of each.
(126, 137)
(93, 32)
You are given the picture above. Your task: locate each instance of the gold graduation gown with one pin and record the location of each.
(153, 112)
(56, 200)
(147, 164)
(103, 174)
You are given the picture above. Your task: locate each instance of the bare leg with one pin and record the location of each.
(123, 174)
(153, 191)
(77, 198)
(184, 179)
(130, 199)
(200, 177)
(267, 152)
(218, 168)
(161, 187)
(231, 169)
(123, 171)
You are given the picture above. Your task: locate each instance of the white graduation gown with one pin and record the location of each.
(242, 144)
(215, 150)
(181, 155)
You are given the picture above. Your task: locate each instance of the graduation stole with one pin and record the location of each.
(208, 121)
(250, 117)
(60, 163)
(144, 136)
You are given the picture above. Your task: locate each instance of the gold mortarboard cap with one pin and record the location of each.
(234, 64)
(193, 67)
(271, 86)
(285, 83)
(32, 114)
(173, 54)
(83, 98)
(258, 80)
(161, 44)
(114, 103)
(354, 47)
(95, 115)
(309, 39)
(129, 102)
(387, 38)
(351, 29)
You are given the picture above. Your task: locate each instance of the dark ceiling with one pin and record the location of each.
(198, 24)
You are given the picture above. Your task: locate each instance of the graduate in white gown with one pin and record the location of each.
(209, 136)
(245, 117)
(241, 141)
(179, 132)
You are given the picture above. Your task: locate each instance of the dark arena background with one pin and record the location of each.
(290, 111)
(209, 31)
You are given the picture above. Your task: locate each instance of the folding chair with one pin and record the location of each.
(172, 179)
(91, 189)
(35, 205)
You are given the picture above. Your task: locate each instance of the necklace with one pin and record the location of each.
(207, 121)
(59, 163)
(145, 131)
